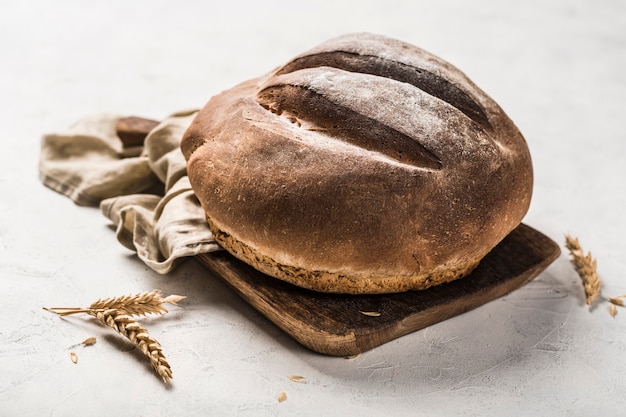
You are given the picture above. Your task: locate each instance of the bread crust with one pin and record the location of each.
(365, 165)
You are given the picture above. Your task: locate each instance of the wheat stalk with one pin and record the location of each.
(117, 312)
(128, 327)
(586, 266)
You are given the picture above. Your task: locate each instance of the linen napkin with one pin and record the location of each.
(143, 189)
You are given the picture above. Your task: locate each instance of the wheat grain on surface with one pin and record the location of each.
(297, 378)
(617, 301)
(89, 341)
(586, 266)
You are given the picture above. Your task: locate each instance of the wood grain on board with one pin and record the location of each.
(343, 325)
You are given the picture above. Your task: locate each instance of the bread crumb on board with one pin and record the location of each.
(370, 313)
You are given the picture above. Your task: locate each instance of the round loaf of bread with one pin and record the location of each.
(365, 165)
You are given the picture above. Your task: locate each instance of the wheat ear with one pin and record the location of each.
(141, 304)
(128, 327)
(586, 266)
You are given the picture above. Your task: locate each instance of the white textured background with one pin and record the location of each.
(558, 70)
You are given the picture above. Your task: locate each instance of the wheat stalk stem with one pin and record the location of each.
(66, 311)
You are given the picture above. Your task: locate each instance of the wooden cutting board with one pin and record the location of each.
(335, 324)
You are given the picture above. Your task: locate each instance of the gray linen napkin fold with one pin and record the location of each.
(144, 190)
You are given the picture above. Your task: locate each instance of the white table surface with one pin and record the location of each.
(556, 67)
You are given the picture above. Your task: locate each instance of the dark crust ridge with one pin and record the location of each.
(343, 123)
(418, 77)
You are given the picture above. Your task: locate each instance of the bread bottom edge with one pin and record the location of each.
(337, 282)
